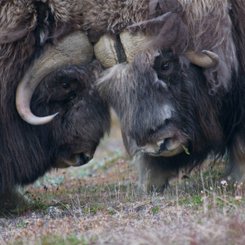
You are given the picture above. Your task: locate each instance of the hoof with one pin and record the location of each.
(13, 203)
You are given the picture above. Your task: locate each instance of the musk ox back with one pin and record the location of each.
(46, 68)
(181, 98)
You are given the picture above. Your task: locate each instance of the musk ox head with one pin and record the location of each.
(70, 139)
(51, 115)
(159, 95)
(164, 104)
(169, 118)
(83, 117)
(164, 97)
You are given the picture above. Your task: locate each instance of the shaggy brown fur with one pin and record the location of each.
(27, 28)
(208, 23)
(42, 24)
(29, 14)
(209, 28)
(101, 16)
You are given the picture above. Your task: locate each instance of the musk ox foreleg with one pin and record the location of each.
(12, 201)
(154, 172)
(154, 175)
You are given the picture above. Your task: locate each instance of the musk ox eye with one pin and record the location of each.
(165, 66)
(165, 69)
(65, 85)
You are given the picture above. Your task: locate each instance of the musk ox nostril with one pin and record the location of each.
(164, 144)
(161, 127)
(85, 158)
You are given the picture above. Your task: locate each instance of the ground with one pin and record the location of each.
(101, 204)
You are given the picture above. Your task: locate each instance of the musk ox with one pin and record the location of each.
(179, 87)
(51, 114)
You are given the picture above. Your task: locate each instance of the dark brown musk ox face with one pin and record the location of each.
(183, 114)
(163, 103)
(83, 116)
(162, 134)
(162, 97)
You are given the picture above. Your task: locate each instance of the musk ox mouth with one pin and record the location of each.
(165, 149)
(75, 160)
(167, 146)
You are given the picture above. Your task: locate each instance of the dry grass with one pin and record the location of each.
(100, 204)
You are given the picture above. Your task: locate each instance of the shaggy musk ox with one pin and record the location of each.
(51, 115)
(180, 95)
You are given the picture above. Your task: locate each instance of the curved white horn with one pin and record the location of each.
(133, 43)
(205, 59)
(73, 49)
(105, 51)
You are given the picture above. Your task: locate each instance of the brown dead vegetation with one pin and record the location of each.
(100, 204)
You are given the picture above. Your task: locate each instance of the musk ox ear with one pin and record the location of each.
(172, 35)
(168, 31)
